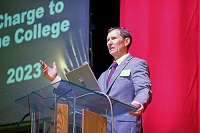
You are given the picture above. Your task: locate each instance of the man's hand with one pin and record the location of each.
(49, 73)
(139, 111)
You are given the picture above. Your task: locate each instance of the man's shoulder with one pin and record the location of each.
(137, 59)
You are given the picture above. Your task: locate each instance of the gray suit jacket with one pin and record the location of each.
(135, 86)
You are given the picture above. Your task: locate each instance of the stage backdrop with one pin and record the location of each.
(50, 30)
(166, 34)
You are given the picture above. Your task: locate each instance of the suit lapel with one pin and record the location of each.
(120, 68)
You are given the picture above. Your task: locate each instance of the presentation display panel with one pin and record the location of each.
(30, 31)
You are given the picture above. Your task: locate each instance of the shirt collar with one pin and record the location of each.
(119, 61)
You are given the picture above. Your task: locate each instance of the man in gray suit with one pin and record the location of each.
(130, 81)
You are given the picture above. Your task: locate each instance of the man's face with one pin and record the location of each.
(116, 44)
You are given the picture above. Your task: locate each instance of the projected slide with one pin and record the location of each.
(50, 30)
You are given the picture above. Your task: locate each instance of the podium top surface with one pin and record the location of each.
(77, 97)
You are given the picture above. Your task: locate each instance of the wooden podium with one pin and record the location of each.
(91, 122)
(71, 109)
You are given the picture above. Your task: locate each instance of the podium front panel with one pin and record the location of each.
(77, 98)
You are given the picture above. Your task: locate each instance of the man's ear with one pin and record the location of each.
(127, 41)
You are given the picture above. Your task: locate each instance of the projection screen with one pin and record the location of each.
(31, 31)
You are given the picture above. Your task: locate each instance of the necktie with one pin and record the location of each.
(113, 68)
